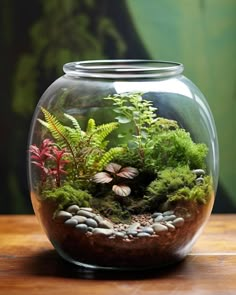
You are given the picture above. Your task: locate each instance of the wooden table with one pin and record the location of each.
(29, 265)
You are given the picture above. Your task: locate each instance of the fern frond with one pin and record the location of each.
(74, 122)
(70, 130)
(72, 136)
(103, 131)
(91, 125)
(55, 127)
(92, 158)
(58, 131)
(76, 133)
(108, 156)
(45, 124)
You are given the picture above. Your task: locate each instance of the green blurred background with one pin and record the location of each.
(38, 37)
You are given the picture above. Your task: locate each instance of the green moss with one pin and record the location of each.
(177, 184)
(110, 207)
(67, 195)
(172, 148)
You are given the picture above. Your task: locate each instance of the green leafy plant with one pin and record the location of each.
(61, 134)
(154, 163)
(157, 142)
(86, 153)
(87, 148)
(131, 108)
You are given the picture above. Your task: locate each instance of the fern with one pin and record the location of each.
(108, 156)
(45, 124)
(58, 131)
(91, 125)
(74, 122)
(102, 132)
(87, 148)
(55, 127)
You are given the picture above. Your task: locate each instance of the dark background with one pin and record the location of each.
(38, 37)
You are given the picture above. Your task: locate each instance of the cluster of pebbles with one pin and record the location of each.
(200, 173)
(85, 220)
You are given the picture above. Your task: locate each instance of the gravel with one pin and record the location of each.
(86, 221)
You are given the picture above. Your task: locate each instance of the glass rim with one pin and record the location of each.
(123, 68)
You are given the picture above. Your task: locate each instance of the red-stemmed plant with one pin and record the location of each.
(39, 156)
(49, 158)
(57, 155)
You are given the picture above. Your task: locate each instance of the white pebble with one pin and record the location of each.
(85, 213)
(103, 231)
(169, 218)
(71, 222)
(63, 215)
(91, 222)
(159, 227)
(72, 209)
(178, 222)
(158, 218)
(82, 228)
(169, 212)
(80, 219)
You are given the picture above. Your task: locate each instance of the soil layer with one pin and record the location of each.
(137, 252)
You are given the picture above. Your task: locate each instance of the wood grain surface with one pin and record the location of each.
(30, 265)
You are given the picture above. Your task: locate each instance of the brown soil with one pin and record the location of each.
(138, 252)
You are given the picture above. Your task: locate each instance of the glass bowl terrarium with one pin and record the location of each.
(123, 163)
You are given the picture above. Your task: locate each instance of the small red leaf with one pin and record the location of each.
(47, 142)
(34, 149)
(35, 158)
(37, 164)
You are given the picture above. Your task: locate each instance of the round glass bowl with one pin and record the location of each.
(123, 163)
